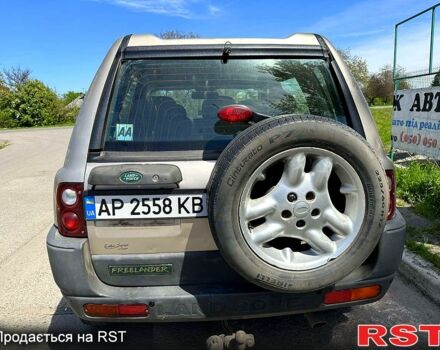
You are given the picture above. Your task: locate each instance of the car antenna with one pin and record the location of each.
(227, 49)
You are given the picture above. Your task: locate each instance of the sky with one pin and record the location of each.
(64, 41)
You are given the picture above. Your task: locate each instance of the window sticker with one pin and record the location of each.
(124, 132)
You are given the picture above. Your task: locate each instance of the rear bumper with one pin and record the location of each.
(74, 273)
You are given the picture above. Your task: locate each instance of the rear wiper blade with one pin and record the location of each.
(227, 49)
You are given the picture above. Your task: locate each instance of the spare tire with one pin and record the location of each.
(297, 202)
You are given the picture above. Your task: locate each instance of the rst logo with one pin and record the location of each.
(401, 335)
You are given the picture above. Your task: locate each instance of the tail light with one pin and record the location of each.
(70, 211)
(391, 176)
(116, 310)
(347, 295)
(235, 113)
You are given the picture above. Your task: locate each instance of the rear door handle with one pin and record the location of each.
(136, 175)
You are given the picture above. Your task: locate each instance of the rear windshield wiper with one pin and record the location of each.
(227, 49)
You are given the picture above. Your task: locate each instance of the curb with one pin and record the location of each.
(422, 274)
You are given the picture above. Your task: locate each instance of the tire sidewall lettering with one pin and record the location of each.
(236, 171)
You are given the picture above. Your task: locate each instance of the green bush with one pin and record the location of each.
(6, 113)
(419, 185)
(7, 119)
(70, 96)
(68, 115)
(34, 104)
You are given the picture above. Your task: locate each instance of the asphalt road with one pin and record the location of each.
(31, 302)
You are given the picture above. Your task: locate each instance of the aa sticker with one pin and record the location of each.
(124, 132)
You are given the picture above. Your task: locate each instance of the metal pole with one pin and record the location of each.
(418, 14)
(395, 56)
(391, 154)
(431, 47)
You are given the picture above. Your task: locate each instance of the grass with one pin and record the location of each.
(419, 185)
(382, 116)
(3, 144)
(427, 235)
(423, 251)
(425, 242)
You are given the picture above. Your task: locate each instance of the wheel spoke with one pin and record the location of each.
(294, 170)
(319, 241)
(321, 172)
(348, 189)
(266, 232)
(287, 254)
(339, 222)
(260, 207)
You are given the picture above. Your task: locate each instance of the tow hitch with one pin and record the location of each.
(239, 340)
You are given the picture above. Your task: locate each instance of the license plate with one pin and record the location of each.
(145, 207)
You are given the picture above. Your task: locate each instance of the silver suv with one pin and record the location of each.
(221, 179)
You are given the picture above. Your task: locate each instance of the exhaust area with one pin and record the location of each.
(314, 320)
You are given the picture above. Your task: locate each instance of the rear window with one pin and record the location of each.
(171, 105)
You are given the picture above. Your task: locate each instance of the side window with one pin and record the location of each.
(292, 88)
(334, 102)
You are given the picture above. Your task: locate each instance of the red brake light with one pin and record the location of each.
(391, 176)
(70, 211)
(70, 221)
(235, 113)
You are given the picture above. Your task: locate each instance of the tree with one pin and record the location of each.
(374, 88)
(34, 104)
(6, 120)
(381, 84)
(69, 96)
(177, 34)
(436, 81)
(3, 87)
(16, 76)
(387, 83)
(358, 67)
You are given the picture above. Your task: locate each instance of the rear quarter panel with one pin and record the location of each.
(367, 120)
(74, 166)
